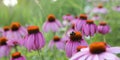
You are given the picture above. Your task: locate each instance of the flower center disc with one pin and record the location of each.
(97, 47)
(75, 36)
(83, 16)
(3, 41)
(90, 21)
(51, 18)
(103, 23)
(100, 6)
(80, 47)
(33, 29)
(16, 55)
(73, 26)
(6, 28)
(56, 38)
(15, 26)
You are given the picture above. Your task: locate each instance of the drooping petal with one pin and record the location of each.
(60, 45)
(86, 29)
(51, 44)
(41, 39)
(68, 49)
(83, 43)
(4, 51)
(46, 27)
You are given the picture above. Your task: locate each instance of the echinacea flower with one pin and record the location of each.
(97, 51)
(103, 28)
(99, 9)
(68, 17)
(75, 40)
(116, 8)
(68, 32)
(96, 17)
(17, 56)
(90, 28)
(5, 30)
(81, 21)
(57, 42)
(34, 40)
(4, 48)
(17, 32)
(52, 24)
(74, 21)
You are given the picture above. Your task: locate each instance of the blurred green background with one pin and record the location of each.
(34, 12)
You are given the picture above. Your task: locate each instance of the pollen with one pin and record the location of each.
(97, 47)
(51, 18)
(33, 29)
(16, 55)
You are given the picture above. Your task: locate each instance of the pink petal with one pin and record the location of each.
(84, 57)
(83, 43)
(108, 56)
(51, 44)
(95, 57)
(115, 50)
(60, 45)
(68, 49)
(78, 55)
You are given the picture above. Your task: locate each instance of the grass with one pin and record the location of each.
(32, 13)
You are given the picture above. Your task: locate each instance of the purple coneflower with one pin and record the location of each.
(4, 48)
(74, 21)
(68, 17)
(99, 9)
(89, 29)
(17, 32)
(57, 42)
(67, 33)
(5, 30)
(52, 24)
(17, 56)
(75, 40)
(34, 40)
(81, 21)
(96, 17)
(97, 51)
(103, 28)
(116, 8)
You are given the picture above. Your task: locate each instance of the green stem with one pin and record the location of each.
(15, 47)
(104, 39)
(54, 53)
(40, 55)
(90, 39)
